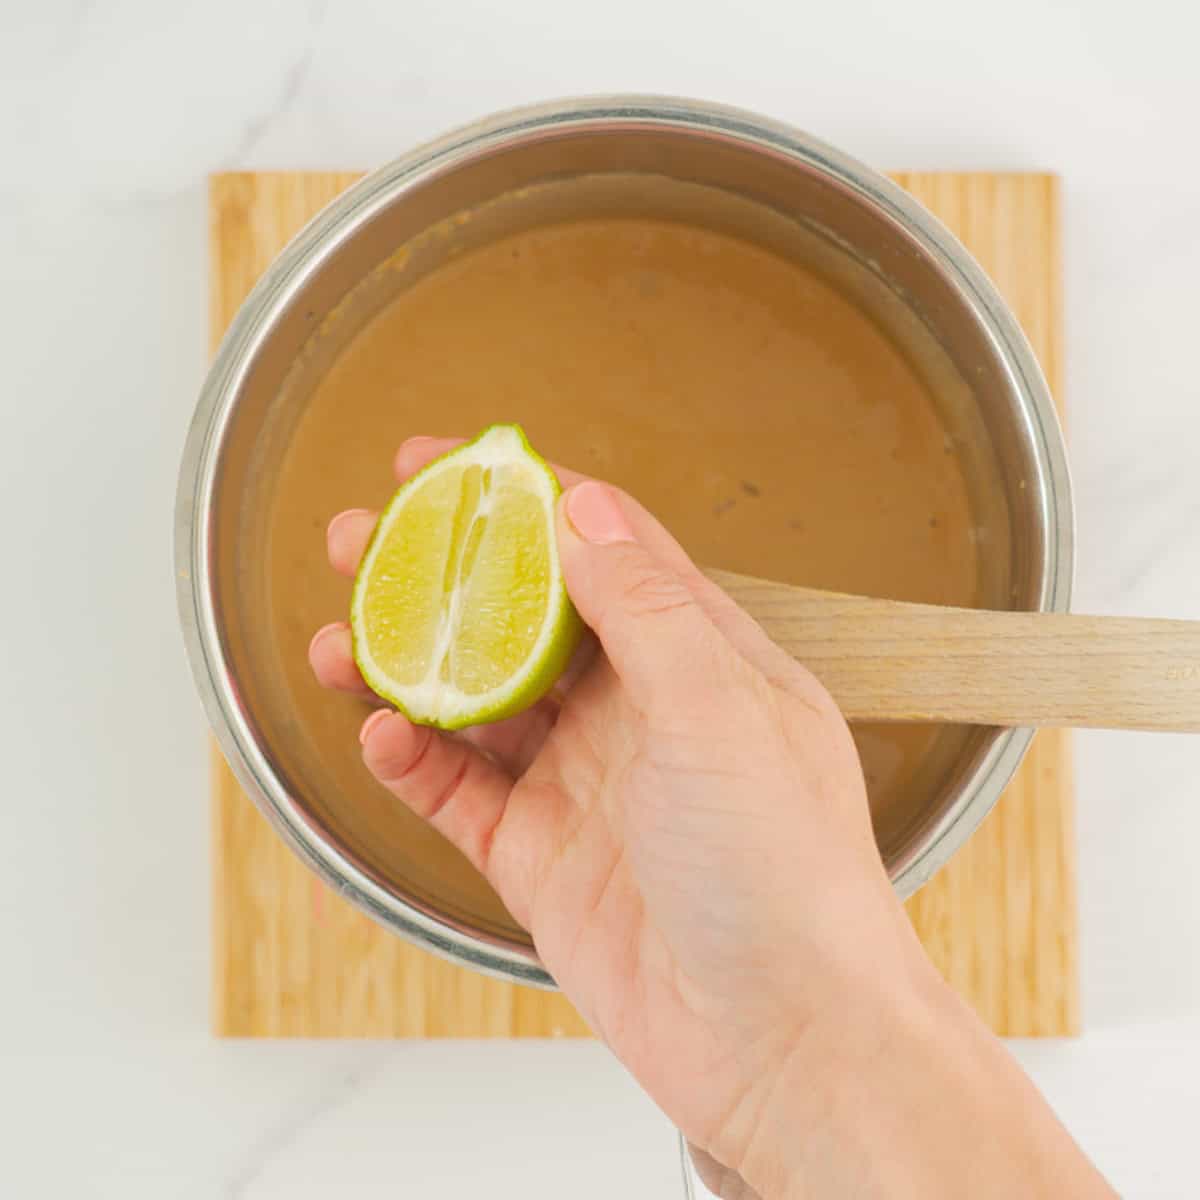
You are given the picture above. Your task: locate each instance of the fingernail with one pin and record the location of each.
(402, 465)
(593, 509)
(333, 625)
(378, 716)
(411, 444)
(349, 512)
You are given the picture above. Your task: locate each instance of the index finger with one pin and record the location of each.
(349, 532)
(419, 452)
(737, 625)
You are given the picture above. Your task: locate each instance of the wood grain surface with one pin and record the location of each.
(290, 958)
(884, 660)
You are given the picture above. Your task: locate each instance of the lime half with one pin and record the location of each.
(459, 614)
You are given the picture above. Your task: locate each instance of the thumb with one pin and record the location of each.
(659, 641)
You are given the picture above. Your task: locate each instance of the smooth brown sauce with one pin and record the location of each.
(767, 421)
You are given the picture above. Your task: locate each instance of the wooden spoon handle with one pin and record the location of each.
(884, 660)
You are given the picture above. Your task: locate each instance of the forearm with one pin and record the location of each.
(926, 1103)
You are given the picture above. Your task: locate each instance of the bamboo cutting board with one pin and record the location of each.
(290, 958)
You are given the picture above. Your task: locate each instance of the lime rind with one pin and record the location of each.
(436, 701)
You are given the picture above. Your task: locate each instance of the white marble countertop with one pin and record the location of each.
(110, 117)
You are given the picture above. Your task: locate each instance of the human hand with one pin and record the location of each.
(683, 828)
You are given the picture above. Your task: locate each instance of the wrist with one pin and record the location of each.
(834, 1122)
(907, 1094)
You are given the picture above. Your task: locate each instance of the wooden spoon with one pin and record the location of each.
(884, 660)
